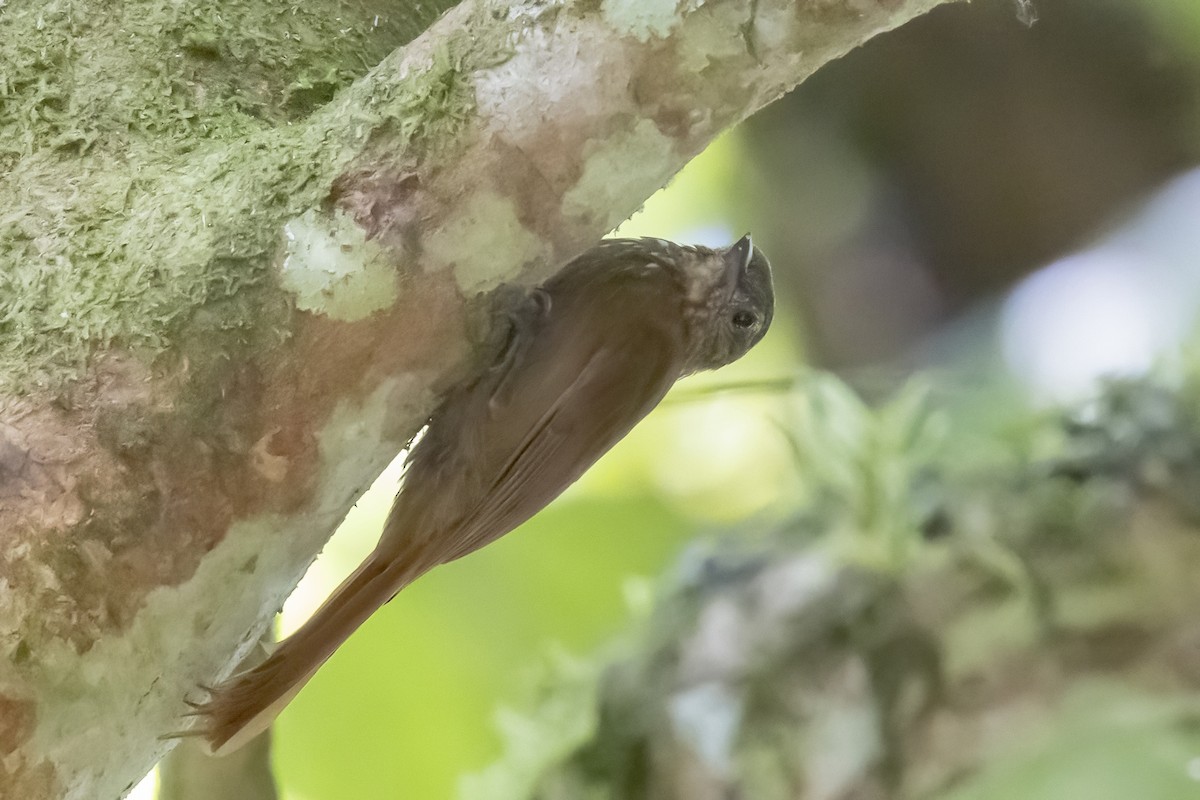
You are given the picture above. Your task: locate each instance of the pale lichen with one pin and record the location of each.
(714, 33)
(483, 241)
(642, 19)
(333, 269)
(607, 187)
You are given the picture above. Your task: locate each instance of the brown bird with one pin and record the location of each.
(591, 352)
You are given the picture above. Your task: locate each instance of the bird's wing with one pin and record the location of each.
(617, 386)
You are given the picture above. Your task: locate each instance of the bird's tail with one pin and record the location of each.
(246, 704)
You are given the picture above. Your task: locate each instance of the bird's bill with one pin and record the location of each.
(737, 260)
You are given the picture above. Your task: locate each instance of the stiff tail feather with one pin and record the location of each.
(245, 705)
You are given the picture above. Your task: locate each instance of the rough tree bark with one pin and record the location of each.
(241, 251)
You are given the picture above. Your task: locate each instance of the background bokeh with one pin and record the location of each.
(1012, 209)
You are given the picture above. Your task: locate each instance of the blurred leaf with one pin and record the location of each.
(866, 467)
(1107, 742)
(562, 718)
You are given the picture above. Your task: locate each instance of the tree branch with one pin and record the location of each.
(224, 307)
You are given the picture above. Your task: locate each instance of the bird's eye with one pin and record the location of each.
(744, 319)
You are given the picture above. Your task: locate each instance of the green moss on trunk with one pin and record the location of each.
(151, 154)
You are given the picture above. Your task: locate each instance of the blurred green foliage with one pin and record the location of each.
(867, 467)
(1049, 620)
(1105, 741)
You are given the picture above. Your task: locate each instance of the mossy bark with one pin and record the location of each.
(242, 246)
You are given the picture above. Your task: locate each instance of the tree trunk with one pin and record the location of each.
(241, 251)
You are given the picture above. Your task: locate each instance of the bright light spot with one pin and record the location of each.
(709, 235)
(147, 788)
(721, 458)
(1114, 309)
(714, 235)
(1085, 317)
(708, 717)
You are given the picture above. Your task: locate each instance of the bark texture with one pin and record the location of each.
(241, 251)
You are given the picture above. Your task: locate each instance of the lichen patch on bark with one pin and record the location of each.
(602, 195)
(332, 268)
(716, 34)
(483, 241)
(642, 19)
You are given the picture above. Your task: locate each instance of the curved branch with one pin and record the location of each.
(219, 326)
